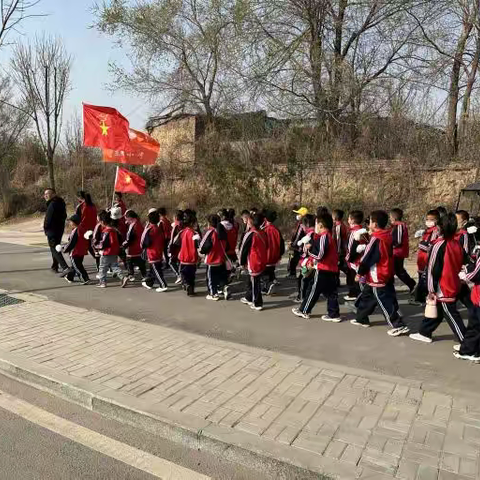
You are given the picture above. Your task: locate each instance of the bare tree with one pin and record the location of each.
(42, 73)
(12, 13)
(180, 49)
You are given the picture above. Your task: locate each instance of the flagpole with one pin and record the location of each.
(116, 178)
(105, 181)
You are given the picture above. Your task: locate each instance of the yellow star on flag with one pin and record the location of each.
(104, 128)
(128, 179)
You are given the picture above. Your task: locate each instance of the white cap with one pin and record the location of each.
(151, 210)
(116, 213)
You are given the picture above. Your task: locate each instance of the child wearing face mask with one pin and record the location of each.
(322, 250)
(444, 266)
(296, 251)
(357, 241)
(377, 267)
(428, 236)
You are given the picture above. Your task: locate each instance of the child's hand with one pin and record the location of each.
(88, 234)
(196, 238)
(361, 248)
(357, 278)
(58, 248)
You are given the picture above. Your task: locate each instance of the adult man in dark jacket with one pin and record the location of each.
(54, 226)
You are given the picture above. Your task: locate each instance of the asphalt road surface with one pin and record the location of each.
(26, 269)
(44, 438)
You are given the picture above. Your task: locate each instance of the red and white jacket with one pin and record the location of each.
(276, 244)
(167, 226)
(444, 264)
(340, 236)
(401, 246)
(77, 245)
(428, 237)
(309, 237)
(324, 252)
(213, 247)
(473, 275)
(133, 240)
(297, 236)
(88, 214)
(153, 242)
(187, 245)
(353, 257)
(464, 238)
(109, 243)
(377, 261)
(173, 250)
(232, 236)
(253, 252)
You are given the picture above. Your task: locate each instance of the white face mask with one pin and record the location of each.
(299, 217)
(429, 224)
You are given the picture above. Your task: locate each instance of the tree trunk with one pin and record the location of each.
(470, 83)
(51, 172)
(454, 90)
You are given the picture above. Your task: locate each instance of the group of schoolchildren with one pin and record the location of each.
(369, 251)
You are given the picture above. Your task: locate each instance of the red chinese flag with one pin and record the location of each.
(105, 127)
(144, 150)
(128, 182)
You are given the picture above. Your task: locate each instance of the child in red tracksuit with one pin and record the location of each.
(275, 251)
(463, 237)
(376, 266)
(173, 250)
(429, 235)
(444, 265)
(167, 228)
(77, 247)
(133, 247)
(323, 250)
(469, 349)
(306, 263)
(187, 241)
(357, 241)
(109, 247)
(253, 256)
(87, 211)
(340, 237)
(153, 242)
(401, 248)
(213, 247)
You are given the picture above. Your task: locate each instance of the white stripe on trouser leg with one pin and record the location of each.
(454, 322)
(253, 289)
(385, 313)
(209, 279)
(159, 278)
(170, 263)
(312, 293)
(74, 265)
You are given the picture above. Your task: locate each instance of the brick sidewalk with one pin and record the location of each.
(361, 424)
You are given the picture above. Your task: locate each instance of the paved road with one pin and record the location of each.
(29, 449)
(26, 269)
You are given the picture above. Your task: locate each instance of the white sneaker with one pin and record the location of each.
(161, 289)
(258, 309)
(245, 301)
(300, 314)
(420, 338)
(328, 318)
(414, 303)
(456, 348)
(270, 289)
(364, 325)
(125, 281)
(465, 357)
(348, 298)
(67, 280)
(215, 298)
(396, 332)
(178, 281)
(101, 285)
(144, 284)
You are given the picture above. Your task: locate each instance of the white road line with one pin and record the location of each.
(139, 459)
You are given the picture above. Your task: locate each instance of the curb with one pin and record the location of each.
(239, 447)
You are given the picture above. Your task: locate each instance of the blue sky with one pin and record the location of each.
(70, 20)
